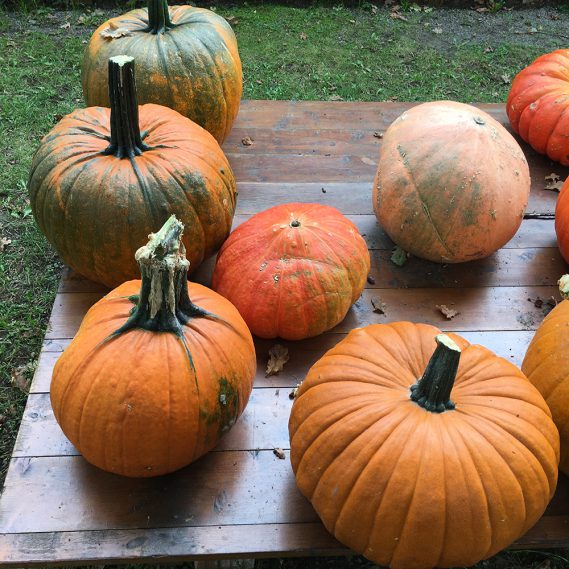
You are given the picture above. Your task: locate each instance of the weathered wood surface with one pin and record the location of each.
(56, 508)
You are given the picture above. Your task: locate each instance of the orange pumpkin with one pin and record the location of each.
(159, 369)
(293, 270)
(452, 184)
(562, 220)
(187, 60)
(538, 105)
(102, 179)
(441, 471)
(546, 365)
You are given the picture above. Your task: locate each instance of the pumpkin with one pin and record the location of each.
(187, 60)
(538, 105)
(546, 365)
(418, 449)
(102, 179)
(562, 220)
(293, 270)
(158, 371)
(452, 184)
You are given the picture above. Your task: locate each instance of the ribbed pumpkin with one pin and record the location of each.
(102, 179)
(452, 184)
(159, 369)
(293, 270)
(538, 105)
(562, 220)
(419, 457)
(546, 365)
(186, 57)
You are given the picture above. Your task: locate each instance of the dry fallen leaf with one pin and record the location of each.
(65, 26)
(374, 9)
(4, 242)
(293, 393)
(506, 79)
(335, 97)
(378, 134)
(20, 379)
(303, 36)
(397, 16)
(399, 256)
(247, 141)
(113, 32)
(378, 306)
(554, 182)
(232, 20)
(279, 453)
(437, 30)
(446, 311)
(278, 356)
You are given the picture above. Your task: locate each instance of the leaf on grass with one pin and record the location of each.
(20, 378)
(335, 97)
(4, 242)
(247, 141)
(374, 9)
(506, 78)
(279, 453)
(554, 182)
(446, 311)
(303, 36)
(113, 31)
(232, 20)
(399, 256)
(397, 16)
(378, 306)
(437, 30)
(65, 26)
(278, 356)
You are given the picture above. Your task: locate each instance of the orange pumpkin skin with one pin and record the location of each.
(562, 220)
(293, 270)
(411, 488)
(546, 365)
(452, 184)
(144, 402)
(80, 197)
(538, 104)
(192, 67)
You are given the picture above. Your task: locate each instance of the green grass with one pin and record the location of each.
(323, 52)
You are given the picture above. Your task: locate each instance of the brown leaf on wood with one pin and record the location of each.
(378, 134)
(279, 453)
(278, 356)
(378, 305)
(367, 160)
(4, 242)
(20, 378)
(247, 141)
(294, 392)
(553, 182)
(446, 311)
(399, 256)
(113, 32)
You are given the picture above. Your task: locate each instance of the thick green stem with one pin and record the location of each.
(158, 17)
(432, 391)
(126, 140)
(164, 304)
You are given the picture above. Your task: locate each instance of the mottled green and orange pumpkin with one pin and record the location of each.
(186, 58)
(452, 183)
(293, 270)
(538, 105)
(420, 450)
(159, 369)
(102, 179)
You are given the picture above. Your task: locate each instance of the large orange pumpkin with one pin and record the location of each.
(546, 365)
(419, 457)
(186, 57)
(98, 186)
(562, 220)
(452, 184)
(538, 105)
(159, 369)
(293, 270)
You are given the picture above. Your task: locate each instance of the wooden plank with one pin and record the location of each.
(223, 488)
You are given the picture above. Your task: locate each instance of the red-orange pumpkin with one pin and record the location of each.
(186, 59)
(293, 270)
(452, 184)
(417, 457)
(546, 365)
(538, 105)
(159, 369)
(562, 220)
(102, 179)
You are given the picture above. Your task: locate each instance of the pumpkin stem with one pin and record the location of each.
(563, 283)
(164, 304)
(158, 17)
(126, 141)
(432, 391)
